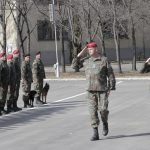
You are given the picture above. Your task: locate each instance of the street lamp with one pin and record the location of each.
(52, 19)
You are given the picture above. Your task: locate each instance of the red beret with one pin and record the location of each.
(16, 51)
(2, 53)
(10, 56)
(91, 44)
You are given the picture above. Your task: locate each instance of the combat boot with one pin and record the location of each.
(3, 111)
(38, 101)
(105, 128)
(9, 108)
(95, 134)
(15, 107)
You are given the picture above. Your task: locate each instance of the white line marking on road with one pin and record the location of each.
(119, 82)
(69, 97)
(78, 95)
(44, 106)
(118, 78)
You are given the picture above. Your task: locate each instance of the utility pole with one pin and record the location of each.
(52, 19)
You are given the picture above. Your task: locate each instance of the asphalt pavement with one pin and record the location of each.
(63, 124)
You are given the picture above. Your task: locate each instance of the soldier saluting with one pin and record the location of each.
(101, 79)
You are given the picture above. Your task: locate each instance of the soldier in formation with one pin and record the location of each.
(26, 74)
(100, 80)
(16, 60)
(11, 74)
(11, 83)
(4, 73)
(38, 76)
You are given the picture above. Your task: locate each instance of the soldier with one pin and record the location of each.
(11, 83)
(146, 66)
(101, 79)
(38, 76)
(18, 78)
(4, 82)
(26, 75)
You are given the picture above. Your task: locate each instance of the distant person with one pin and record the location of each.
(26, 76)
(100, 80)
(146, 66)
(11, 84)
(38, 76)
(4, 73)
(16, 61)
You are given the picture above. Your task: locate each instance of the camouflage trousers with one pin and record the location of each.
(98, 105)
(38, 86)
(3, 94)
(17, 87)
(10, 94)
(26, 88)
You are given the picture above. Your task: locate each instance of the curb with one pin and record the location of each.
(82, 79)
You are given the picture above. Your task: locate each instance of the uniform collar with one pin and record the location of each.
(97, 58)
(27, 62)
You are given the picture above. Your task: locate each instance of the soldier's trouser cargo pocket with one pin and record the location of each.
(26, 87)
(38, 88)
(98, 104)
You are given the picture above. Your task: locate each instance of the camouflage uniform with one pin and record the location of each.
(26, 75)
(4, 72)
(18, 78)
(38, 76)
(100, 79)
(11, 86)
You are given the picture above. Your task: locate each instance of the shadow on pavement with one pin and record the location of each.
(127, 136)
(27, 116)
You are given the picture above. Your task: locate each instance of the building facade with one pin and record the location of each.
(42, 37)
(42, 34)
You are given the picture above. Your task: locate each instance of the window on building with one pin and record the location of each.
(45, 31)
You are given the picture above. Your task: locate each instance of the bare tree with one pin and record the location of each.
(62, 11)
(4, 16)
(135, 16)
(116, 10)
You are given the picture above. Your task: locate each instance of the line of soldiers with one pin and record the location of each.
(11, 74)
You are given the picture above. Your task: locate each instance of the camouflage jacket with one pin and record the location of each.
(26, 72)
(17, 68)
(11, 74)
(4, 72)
(38, 70)
(99, 73)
